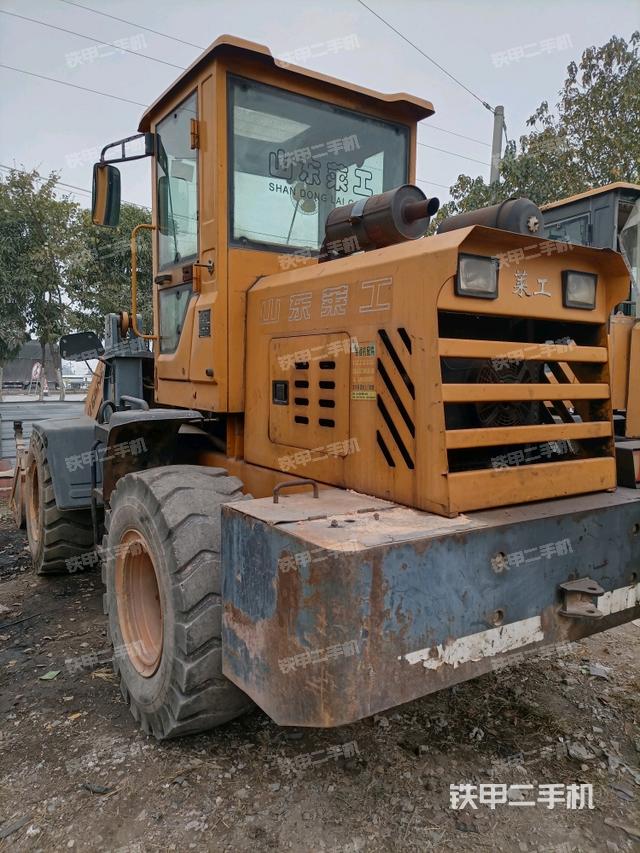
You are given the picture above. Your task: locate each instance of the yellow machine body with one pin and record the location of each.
(379, 327)
(374, 414)
(407, 418)
(207, 373)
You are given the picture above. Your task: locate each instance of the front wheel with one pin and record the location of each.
(161, 570)
(59, 540)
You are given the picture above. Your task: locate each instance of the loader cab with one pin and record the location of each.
(606, 218)
(609, 218)
(250, 156)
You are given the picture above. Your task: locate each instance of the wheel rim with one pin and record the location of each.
(34, 503)
(17, 502)
(139, 607)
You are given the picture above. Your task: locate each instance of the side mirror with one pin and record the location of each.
(105, 202)
(81, 346)
(163, 205)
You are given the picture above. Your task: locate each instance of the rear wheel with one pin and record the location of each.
(57, 538)
(17, 499)
(161, 570)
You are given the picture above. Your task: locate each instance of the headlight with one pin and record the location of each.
(579, 289)
(477, 276)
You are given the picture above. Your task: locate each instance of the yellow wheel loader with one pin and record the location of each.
(349, 464)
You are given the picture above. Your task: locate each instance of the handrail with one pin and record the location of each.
(134, 282)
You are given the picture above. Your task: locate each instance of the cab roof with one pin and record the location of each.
(619, 185)
(414, 108)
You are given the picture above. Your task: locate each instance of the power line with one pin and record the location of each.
(433, 183)
(83, 190)
(426, 56)
(201, 47)
(91, 38)
(454, 154)
(504, 128)
(453, 133)
(139, 104)
(124, 21)
(72, 85)
(62, 184)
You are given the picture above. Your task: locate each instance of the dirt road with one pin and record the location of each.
(76, 774)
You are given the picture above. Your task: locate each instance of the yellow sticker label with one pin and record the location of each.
(363, 368)
(363, 392)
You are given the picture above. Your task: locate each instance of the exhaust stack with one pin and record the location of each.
(381, 220)
(519, 215)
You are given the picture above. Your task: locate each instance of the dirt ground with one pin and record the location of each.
(75, 772)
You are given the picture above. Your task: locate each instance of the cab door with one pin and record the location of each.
(176, 177)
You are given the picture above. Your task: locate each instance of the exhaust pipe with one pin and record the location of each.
(519, 215)
(381, 220)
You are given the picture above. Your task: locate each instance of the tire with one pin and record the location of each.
(163, 598)
(55, 536)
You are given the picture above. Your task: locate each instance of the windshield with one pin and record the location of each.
(630, 248)
(177, 190)
(294, 159)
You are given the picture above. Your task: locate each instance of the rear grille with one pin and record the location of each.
(395, 396)
(523, 392)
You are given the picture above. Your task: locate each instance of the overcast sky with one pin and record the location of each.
(510, 53)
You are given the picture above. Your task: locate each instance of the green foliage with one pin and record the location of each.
(99, 276)
(12, 298)
(39, 235)
(591, 141)
(58, 272)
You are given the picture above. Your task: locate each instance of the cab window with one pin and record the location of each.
(574, 230)
(294, 158)
(177, 186)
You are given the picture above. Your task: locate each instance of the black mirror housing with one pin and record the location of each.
(105, 200)
(81, 346)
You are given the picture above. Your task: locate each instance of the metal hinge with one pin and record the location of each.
(579, 599)
(195, 133)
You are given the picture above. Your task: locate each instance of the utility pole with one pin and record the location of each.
(496, 145)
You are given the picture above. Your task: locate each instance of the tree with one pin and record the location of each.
(12, 297)
(41, 236)
(592, 140)
(99, 276)
(58, 272)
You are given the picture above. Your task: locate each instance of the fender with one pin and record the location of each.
(136, 440)
(68, 442)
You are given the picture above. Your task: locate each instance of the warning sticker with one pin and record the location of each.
(204, 323)
(363, 392)
(363, 367)
(366, 350)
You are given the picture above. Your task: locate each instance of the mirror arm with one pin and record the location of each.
(134, 282)
(149, 148)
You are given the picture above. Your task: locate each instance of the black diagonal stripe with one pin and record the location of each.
(396, 398)
(394, 432)
(384, 337)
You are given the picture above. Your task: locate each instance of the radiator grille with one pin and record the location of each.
(523, 392)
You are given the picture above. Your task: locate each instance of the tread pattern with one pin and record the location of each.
(64, 533)
(184, 502)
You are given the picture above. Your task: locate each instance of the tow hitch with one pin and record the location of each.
(579, 599)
